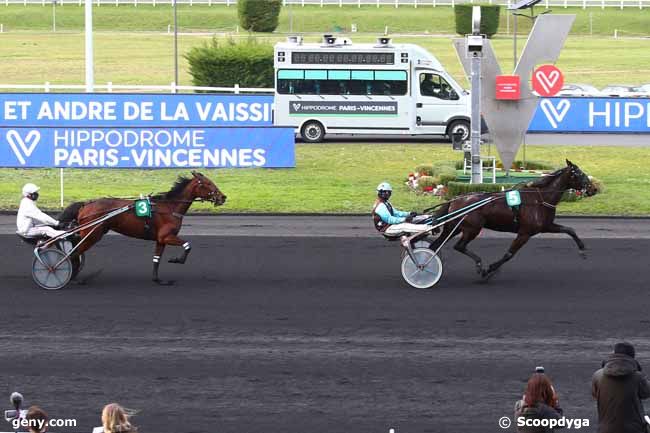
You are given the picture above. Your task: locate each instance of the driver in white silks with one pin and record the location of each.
(393, 222)
(31, 222)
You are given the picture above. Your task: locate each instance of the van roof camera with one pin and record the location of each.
(383, 40)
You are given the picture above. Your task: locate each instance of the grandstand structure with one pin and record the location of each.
(640, 4)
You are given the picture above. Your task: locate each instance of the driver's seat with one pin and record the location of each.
(31, 240)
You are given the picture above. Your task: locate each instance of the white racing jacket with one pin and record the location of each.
(29, 215)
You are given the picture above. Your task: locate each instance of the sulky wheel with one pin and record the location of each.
(426, 272)
(54, 269)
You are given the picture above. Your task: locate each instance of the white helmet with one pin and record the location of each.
(384, 186)
(29, 189)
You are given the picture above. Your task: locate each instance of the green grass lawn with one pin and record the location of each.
(369, 19)
(33, 58)
(341, 178)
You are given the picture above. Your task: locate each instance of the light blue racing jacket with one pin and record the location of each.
(384, 215)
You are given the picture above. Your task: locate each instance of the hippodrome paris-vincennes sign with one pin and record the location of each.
(142, 131)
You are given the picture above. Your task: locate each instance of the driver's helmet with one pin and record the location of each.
(384, 190)
(29, 189)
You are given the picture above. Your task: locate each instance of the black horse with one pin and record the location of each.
(536, 214)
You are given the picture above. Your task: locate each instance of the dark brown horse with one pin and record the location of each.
(168, 210)
(535, 215)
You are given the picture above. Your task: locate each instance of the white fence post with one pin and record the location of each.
(396, 3)
(584, 4)
(236, 89)
(173, 87)
(109, 87)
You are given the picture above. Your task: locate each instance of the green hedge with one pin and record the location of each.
(247, 63)
(489, 19)
(529, 165)
(459, 188)
(259, 15)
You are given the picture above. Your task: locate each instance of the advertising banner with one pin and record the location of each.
(142, 131)
(592, 115)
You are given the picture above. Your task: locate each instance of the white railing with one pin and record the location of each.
(340, 3)
(135, 88)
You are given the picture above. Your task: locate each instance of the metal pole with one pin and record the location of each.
(89, 47)
(475, 136)
(515, 41)
(291, 17)
(175, 45)
(54, 15)
(61, 186)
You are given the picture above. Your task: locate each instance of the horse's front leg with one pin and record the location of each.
(174, 240)
(516, 245)
(160, 248)
(557, 228)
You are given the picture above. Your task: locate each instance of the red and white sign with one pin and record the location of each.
(547, 80)
(508, 87)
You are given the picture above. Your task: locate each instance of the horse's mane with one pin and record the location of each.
(544, 181)
(176, 190)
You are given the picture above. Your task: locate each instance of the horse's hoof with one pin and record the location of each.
(164, 283)
(487, 275)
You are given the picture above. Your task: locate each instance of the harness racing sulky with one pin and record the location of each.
(526, 210)
(157, 217)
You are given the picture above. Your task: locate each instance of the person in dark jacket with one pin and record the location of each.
(618, 388)
(539, 402)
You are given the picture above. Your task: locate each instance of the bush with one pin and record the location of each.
(259, 15)
(445, 178)
(426, 181)
(424, 170)
(247, 63)
(489, 19)
(455, 189)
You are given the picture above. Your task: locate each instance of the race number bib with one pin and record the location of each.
(513, 198)
(143, 208)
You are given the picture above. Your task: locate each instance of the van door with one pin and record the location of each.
(436, 102)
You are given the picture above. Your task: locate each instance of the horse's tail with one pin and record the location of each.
(438, 210)
(441, 210)
(70, 213)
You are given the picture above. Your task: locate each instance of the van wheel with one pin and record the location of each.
(312, 131)
(459, 126)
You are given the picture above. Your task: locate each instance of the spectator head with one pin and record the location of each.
(115, 419)
(539, 390)
(37, 419)
(624, 348)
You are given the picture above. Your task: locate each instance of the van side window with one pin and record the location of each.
(342, 82)
(436, 86)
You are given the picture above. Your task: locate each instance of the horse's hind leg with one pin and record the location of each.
(469, 234)
(519, 242)
(557, 228)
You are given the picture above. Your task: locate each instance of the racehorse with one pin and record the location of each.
(535, 215)
(168, 210)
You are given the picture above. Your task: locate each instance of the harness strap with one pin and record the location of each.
(178, 215)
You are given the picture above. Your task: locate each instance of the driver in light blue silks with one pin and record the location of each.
(393, 222)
